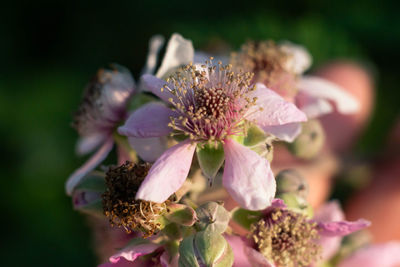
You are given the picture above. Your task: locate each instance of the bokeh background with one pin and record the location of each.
(50, 49)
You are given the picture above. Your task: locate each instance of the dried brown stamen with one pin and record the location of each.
(120, 205)
(287, 238)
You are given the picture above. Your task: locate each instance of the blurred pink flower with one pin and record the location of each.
(105, 100)
(329, 225)
(382, 255)
(211, 105)
(102, 108)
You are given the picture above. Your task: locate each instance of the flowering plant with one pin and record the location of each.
(192, 126)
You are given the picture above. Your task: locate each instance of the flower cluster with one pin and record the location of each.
(193, 129)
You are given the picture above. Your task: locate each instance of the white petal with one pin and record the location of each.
(87, 144)
(287, 132)
(155, 44)
(320, 88)
(179, 52)
(301, 59)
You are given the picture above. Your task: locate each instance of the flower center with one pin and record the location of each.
(210, 101)
(120, 205)
(287, 238)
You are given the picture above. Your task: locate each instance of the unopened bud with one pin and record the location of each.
(310, 141)
(204, 249)
(296, 203)
(86, 196)
(212, 216)
(290, 181)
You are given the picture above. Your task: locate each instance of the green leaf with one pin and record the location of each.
(245, 218)
(210, 158)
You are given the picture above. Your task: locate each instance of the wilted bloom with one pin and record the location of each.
(213, 107)
(280, 67)
(104, 105)
(102, 108)
(143, 253)
(281, 237)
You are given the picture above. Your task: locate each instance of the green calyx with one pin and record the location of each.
(210, 157)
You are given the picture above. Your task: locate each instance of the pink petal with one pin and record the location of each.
(92, 163)
(130, 253)
(121, 263)
(153, 84)
(272, 110)
(149, 149)
(311, 106)
(179, 52)
(321, 88)
(247, 177)
(257, 259)
(150, 120)
(382, 255)
(238, 245)
(87, 144)
(287, 132)
(330, 211)
(341, 228)
(168, 173)
(166, 261)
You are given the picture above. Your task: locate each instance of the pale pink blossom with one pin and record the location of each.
(211, 105)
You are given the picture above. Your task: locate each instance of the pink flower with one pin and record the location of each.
(130, 256)
(280, 67)
(102, 108)
(283, 237)
(382, 255)
(212, 105)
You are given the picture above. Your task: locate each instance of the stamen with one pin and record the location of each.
(287, 238)
(210, 101)
(120, 205)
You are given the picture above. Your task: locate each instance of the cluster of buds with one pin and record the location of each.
(194, 123)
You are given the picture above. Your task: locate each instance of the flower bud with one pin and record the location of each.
(212, 216)
(290, 181)
(296, 203)
(205, 248)
(310, 141)
(86, 196)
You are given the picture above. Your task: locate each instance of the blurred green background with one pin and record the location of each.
(50, 49)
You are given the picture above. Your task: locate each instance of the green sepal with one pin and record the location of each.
(212, 248)
(210, 157)
(254, 136)
(212, 216)
(173, 231)
(181, 214)
(245, 218)
(187, 256)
